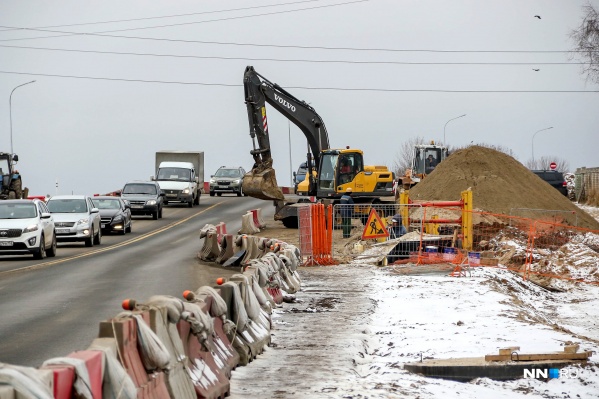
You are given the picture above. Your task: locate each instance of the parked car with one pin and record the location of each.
(115, 214)
(26, 227)
(227, 180)
(554, 178)
(145, 198)
(76, 219)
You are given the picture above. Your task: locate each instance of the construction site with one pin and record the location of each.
(432, 323)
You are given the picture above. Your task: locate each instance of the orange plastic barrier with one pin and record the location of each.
(276, 293)
(257, 221)
(210, 380)
(124, 330)
(221, 230)
(321, 221)
(64, 377)
(95, 369)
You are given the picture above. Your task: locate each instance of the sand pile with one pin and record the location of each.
(499, 184)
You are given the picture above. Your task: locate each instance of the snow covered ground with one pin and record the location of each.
(353, 328)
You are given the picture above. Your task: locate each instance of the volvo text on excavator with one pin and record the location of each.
(336, 169)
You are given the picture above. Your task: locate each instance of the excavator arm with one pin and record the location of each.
(261, 181)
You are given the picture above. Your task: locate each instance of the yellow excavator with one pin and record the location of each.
(335, 169)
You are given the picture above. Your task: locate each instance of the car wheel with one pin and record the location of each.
(212, 193)
(124, 231)
(190, 204)
(130, 226)
(51, 252)
(160, 213)
(41, 251)
(155, 215)
(197, 201)
(240, 192)
(219, 194)
(98, 237)
(89, 242)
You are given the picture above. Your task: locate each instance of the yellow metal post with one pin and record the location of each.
(404, 199)
(433, 228)
(467, 228)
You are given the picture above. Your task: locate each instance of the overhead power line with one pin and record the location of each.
(167, 16)
(103, 33)
(299, 87)
(284, 59)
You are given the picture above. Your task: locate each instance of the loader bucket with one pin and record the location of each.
(262, 184)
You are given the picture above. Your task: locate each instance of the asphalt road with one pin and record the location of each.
(52, 307)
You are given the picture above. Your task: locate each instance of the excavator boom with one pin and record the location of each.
(261, 181)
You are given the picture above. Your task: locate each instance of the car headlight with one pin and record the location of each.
(83, 221)
(185, 191)
(151, 202)
(31, 228)
(117, 219)
(236, 181)
(212, 181)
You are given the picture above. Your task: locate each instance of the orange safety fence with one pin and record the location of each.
(541, 248)
(316, 234)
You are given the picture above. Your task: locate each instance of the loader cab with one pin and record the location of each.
(426, 158)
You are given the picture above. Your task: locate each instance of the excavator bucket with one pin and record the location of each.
(262, 184)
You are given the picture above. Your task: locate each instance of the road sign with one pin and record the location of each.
(553, 166)
(374, 227)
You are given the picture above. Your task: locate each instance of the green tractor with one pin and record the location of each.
(11, 179)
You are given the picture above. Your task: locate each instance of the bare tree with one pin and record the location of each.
(586, 42)
(403, 158)
(543, 163)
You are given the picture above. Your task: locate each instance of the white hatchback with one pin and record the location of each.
(76, 219)
(26, 227)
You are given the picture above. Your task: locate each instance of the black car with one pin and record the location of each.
(145, 198)
(115, 214)
(554, 178)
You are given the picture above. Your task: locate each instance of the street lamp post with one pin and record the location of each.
(533, 144)
(10, 111)
(457, 117)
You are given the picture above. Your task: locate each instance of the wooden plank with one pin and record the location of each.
(539, 356)
(508, 351)
(571, 348)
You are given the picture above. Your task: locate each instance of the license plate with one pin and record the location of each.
(5, 243)
(137, 206)
(223, 186)
(171, 195)
(104, 226)
(62, 231)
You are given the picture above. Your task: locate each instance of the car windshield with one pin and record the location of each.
(17, 211)
(174, 174)
(67, 205)
(111, 203)
(228, 173)
(148, 189)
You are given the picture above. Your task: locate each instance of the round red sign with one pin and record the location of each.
(553, 165)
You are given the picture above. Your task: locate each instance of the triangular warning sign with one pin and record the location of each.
(374, 227)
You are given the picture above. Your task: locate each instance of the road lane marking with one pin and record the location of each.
(114, 246)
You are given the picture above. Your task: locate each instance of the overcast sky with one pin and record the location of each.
(95, 132)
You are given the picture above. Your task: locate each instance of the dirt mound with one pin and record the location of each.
(499, 184)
